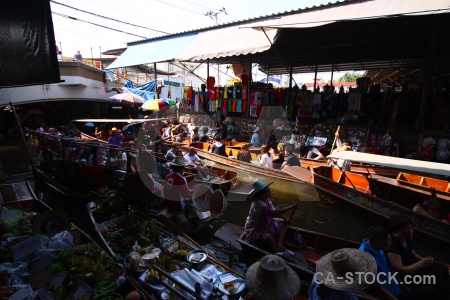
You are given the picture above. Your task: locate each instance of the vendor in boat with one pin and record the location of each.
(330, 280)
(191, 158)
(265, 225)
(176, 190)
(314, 152)
(115, 137)
(341, 164)
(218, 147)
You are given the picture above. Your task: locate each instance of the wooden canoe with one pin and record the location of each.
(171, 232)
(424, 184)
(19, 195)
(382, 199)
(318, 245)
(203, 151)
(361, 168)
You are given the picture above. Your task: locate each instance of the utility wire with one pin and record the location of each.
(197, 4)
(182, 8)
(104, 17)
(76, 19)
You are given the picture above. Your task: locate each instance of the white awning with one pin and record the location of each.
(229, 41)
(394, 162)
(362, 10)
(153, 51)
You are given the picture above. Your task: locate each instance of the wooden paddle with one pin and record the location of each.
(334, 142)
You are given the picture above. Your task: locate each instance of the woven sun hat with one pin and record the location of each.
(228, 120)
(318, 142)
(271, 278)
(442, 143)
(442, 154)
(114, 129)
(258, 186)
(344, 148)
(217, 203)
(343, 261)
(257, 128)
(201, 197)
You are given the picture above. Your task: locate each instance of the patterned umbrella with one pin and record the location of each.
(127, 97)
(157, 104)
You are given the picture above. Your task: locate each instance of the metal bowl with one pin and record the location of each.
(197, 256)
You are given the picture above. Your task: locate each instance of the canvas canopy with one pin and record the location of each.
(394, 162)
(363, 10)
(228, 41)
(220, 42)
(153, 51)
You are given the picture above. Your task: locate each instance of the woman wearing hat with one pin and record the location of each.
(265, 225)
(115, 137)
(270, 278)
(331, 281)
(314, 152)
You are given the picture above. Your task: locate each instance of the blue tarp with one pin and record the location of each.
(164, 49)
(146, 91)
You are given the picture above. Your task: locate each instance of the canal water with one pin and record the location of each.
(325, 216)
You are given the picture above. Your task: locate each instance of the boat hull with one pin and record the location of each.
(380, 199)
(203, 151)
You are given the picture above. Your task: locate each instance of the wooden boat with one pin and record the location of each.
(424, 184)
(218, 178)
(361, 168)
(203, 151)
(318, 245)
(173, 248)
(380, 198)
(36, 217)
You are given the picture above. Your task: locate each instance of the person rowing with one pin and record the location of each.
(266, 226)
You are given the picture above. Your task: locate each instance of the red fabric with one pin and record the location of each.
(175, 185)
(210, 82)
(244, 106)
(244, 78)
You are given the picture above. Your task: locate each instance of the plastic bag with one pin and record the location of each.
(62, 240)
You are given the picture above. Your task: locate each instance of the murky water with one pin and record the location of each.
(329, 217)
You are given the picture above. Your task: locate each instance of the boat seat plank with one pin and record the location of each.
(230, 233)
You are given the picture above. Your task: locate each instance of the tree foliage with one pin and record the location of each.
(349, 77)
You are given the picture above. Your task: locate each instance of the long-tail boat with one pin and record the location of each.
(381, 196)
(79, 262)
(362, 168)
(203, 151)
(424, 184)
(303, 261)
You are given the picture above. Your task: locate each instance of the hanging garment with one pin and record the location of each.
(244, 92)
(244, 106)
(238, 91)
(238, 105)
(210, 82)
(253, 98)
(354, 102)
(225, 92)
(229, 104)
(233, 105)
